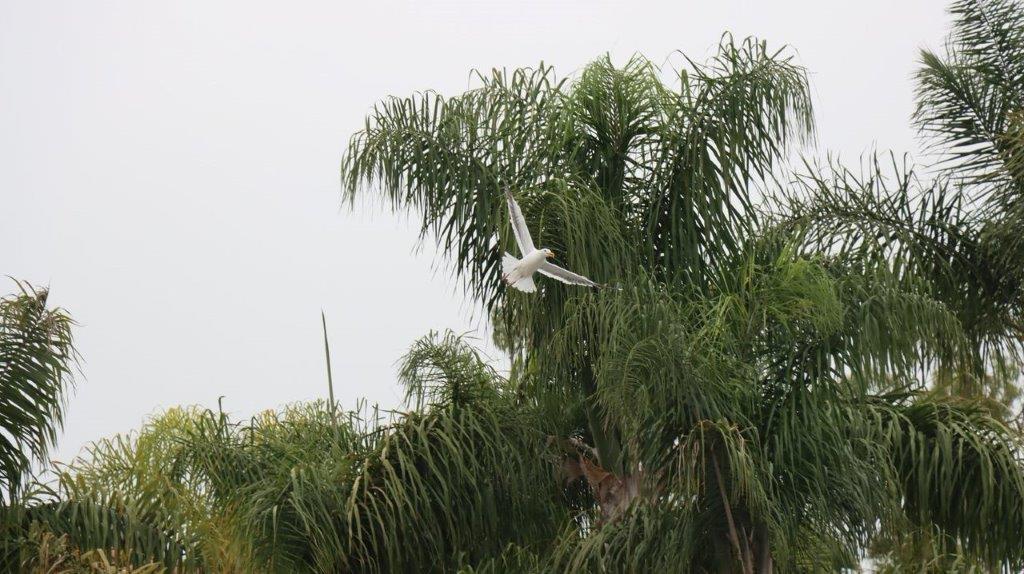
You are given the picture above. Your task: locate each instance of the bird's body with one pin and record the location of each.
(519, 272)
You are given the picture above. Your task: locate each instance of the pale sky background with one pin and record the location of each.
(169, 169)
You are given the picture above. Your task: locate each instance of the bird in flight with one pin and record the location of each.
(519, 272)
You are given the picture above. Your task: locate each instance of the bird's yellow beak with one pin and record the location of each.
(551, 254)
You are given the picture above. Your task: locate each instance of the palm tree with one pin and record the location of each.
(961, 232)
(970, 103)
(741, 400)
(37, 360)
(971, 109)
(624, 175)
(957, 236)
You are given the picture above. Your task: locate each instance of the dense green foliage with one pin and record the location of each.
(307, 489)
(785, 376)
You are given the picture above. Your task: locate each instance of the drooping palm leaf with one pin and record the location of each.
(37, 361)
(970, 101)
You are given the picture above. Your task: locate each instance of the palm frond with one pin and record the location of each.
(970, 101)
(37, 361)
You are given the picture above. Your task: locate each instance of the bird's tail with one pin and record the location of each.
(510, 273)
(526, 285)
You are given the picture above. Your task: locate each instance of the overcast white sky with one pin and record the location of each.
(169, 169)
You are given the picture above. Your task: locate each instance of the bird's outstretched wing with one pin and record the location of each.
(564, 275)
(519, 228)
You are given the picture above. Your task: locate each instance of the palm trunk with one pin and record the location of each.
(762, 545)
(748, 543)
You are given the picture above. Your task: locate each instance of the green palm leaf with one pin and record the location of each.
(37, 360)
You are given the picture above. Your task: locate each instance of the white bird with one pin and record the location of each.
(519, 272)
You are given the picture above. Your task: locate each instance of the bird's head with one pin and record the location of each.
(549, 254)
